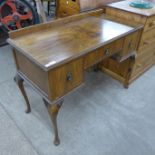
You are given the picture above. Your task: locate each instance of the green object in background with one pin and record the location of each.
(141, 4)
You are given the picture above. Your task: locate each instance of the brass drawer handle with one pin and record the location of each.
(69, 77)
(107, 52)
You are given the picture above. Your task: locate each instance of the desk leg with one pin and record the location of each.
(53, 112)
(20, 81)
(132, 62)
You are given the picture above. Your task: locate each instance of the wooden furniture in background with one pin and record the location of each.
(70, 7)
(52, 57)
(146, 49)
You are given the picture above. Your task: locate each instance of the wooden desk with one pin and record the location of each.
(52, 57)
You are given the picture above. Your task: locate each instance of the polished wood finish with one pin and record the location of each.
(52, 57)
(75, 38)
(145, 53)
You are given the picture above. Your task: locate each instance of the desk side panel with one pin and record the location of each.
(33, 72)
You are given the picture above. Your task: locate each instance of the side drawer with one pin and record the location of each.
(150, 23)
(143, 61)
(148, 39)
(130, 45)
(65, 78)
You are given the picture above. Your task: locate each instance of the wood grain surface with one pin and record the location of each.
(50, 47)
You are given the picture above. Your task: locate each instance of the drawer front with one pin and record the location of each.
(65, 78)
(143, 61)
(130, 44)
(93, 58)
(98, 55)
(112, 48)
(148, 39)
(150, 23)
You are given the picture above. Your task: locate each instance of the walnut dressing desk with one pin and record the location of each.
(52, 57)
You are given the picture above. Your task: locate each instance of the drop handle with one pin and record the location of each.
(130, 45)
(69, 77)
(107, 52)
(152, 24)
(64, 13)
(146, 42)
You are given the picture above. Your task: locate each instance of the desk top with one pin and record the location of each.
(49, 46)
(124, 5)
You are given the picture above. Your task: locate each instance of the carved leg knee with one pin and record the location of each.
(53, 112)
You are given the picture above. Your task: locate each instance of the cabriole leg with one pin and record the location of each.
(53, 112)
(20, 81)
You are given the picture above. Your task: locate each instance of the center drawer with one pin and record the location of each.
(65, 78)
(101, 53)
